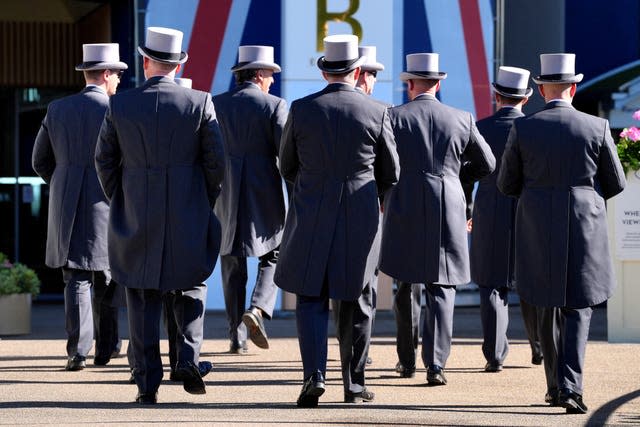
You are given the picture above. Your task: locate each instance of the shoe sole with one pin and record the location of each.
(74, 368)
(435, 382)
(356, 399)
(193, 384)
(572, 407)
(310, 399)
(256, 334)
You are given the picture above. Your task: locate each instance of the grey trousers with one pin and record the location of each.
(82, 315)
(564, 334)
(437, 327)
(494, 314)
(530, 315)
(407, 307)
(354, 321)
(234, 287)
(144, 307)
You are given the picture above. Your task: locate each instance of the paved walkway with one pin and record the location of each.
(261, 387)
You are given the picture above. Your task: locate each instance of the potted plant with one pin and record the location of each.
(18, 284)
(629, 146)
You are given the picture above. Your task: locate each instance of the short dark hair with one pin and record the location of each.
(509, 100)
(242, 76)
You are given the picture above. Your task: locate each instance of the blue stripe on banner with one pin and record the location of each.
(229, 50)
(487, 15)
(447, 37)
(263, 27)
(416, 31)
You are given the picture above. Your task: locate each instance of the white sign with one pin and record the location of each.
(627, 221)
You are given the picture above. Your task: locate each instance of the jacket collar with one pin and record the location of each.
(159, 79)
(425, 97)
(558, 103)
(93, 88)
(509, 112)
(334, 87)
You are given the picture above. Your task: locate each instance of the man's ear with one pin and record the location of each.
(574, 87)
(541, 90)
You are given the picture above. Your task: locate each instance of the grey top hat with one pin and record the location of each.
(184, 82)
(371, 64)
(256, 57)
(512, 82)
(558, 68)
(340, 54)
(101, 56)
(422, 66)
(163, 45)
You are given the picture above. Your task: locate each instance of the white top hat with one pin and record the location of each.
(422, 66)
(340, 54)
(513, 82)
(163, 45)
(184, 82)
(101, 56)
(558, 68)
(256, 57)
(371, 63)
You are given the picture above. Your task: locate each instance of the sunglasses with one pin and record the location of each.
(118, 72)
(374, 73)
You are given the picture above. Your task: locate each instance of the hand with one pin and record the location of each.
(469, 225)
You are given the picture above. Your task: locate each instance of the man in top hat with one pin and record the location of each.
(563, 165)
(424, 237)
(492, 237)
(78, 211)
(338, 150)
(251, 206)
(160, 161)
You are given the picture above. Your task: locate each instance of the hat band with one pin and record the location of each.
(561, 76)
(339, 65)
(165, 56)
(510, 90)
(92, 63)
(425, 73)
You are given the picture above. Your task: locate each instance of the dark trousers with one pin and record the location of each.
(566, 330)
(354, 321)
(175, 337)
(437, 327)
(494, 314)
(312, 318)
(234, 287)
(144, 310)
(407, 307)
(530, 315)
(81, 313)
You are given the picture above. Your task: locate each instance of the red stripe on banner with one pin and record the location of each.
(472, 28)
(206, 40)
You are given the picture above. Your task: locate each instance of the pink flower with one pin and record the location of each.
(624, 133)
(636, 115)
(633, 133)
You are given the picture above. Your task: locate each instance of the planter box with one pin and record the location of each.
(15, 314)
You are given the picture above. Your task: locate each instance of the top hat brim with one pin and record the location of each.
(339, 67)
(545, 79)
(527, 94)
(426, 75)
(257, 65)
(99, 65)
(376, 66)
(181, 58)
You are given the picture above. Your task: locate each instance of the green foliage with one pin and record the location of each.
(629, 153)
(17, 278)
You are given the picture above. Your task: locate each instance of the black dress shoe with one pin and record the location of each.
(100, 360)
(362, 396)
(252, 319)
(493, 367)
(551, 397)
(239, 347)
(404, 371)
(312, 389)
(132, 378)
(190, 375)
(536, 359)
(572, 402)
(147, 398)
(76, 363)
(435, 375)
(204, 368)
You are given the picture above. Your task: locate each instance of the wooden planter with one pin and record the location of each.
(15, 314)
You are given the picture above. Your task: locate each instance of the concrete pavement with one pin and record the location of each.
(261, 387)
